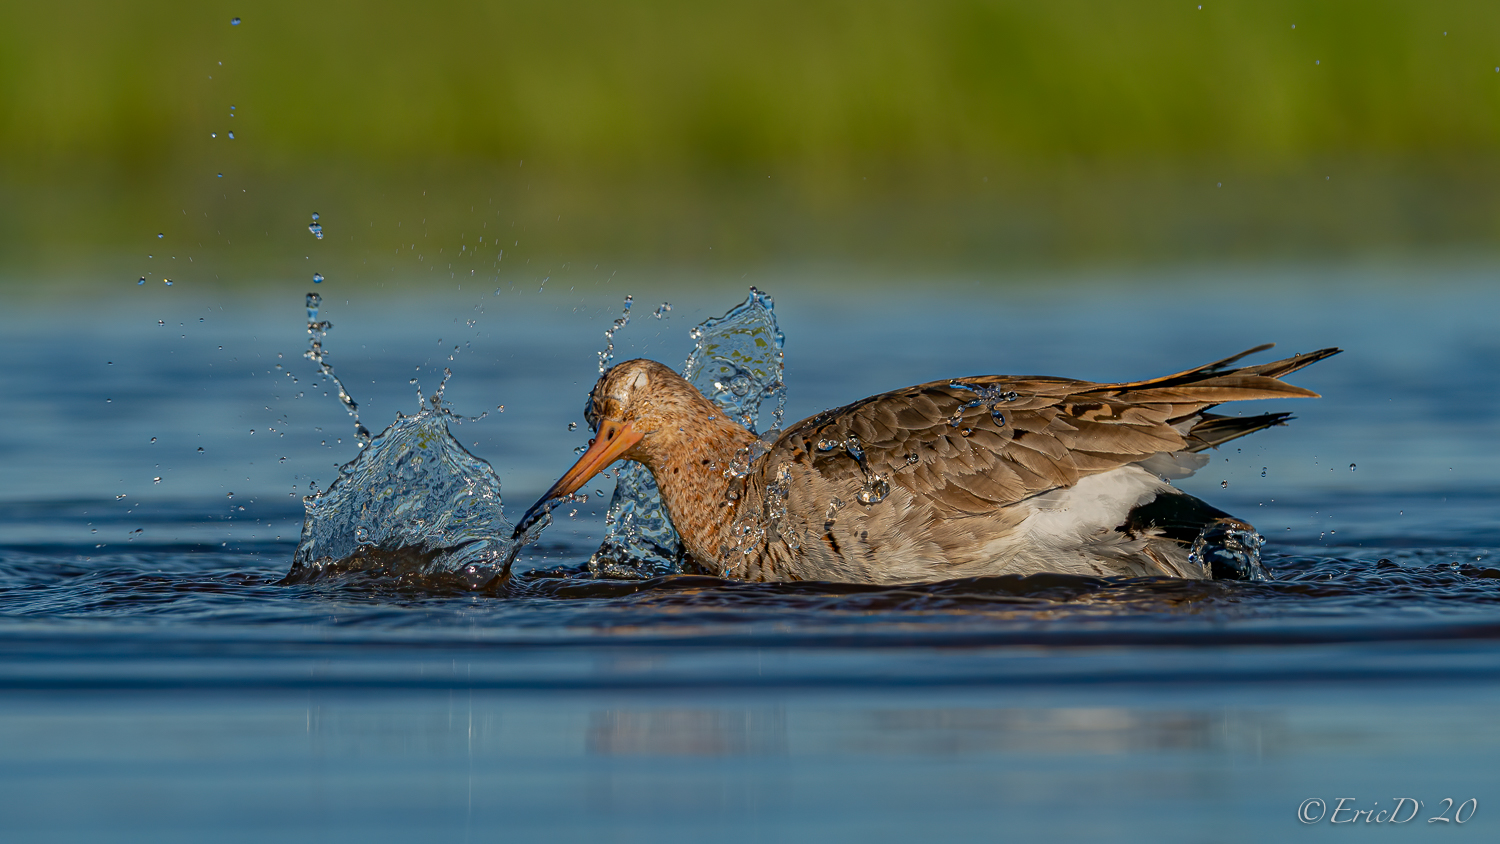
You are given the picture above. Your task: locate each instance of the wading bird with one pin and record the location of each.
(955, 478)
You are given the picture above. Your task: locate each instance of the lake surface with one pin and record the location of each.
(156, 685)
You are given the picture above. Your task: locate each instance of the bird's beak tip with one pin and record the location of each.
(615, 438)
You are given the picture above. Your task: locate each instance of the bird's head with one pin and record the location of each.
(632, 411)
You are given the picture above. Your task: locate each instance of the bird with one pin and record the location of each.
(955, 478)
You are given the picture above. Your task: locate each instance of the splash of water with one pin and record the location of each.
(1229, 549)
(415, 502)
(737, 362)
(609, 336)
(317, 332)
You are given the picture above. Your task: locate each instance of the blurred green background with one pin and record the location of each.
(586, 137)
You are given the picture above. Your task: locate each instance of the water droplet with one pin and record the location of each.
(1351, 465)
(608, 353)
(855, 449)
(167, 282)
(874, 491)
(213, 134)
(1229, 549)
(153, 439)
(161, 322)
(739, 385)
(967, 432)
(834, 504)
(572, 426)
(160, 235)
(912, 459)
(230, 495)
(231, 136)
(827, 445)
(1224, 484)
(221, 175)
(662, 310)
(1263, 472)
(234, 21)
(142, 281)
(317, 278)
(200, 449)
(156, 480)
(118, 497)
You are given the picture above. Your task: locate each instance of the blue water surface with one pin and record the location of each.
(157, 685)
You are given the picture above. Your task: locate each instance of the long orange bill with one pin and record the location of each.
(615, 438)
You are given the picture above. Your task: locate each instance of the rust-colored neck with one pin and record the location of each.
(691, 461)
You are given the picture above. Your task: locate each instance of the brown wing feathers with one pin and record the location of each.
(1212, 431)
(1048, 434)
(1274, 369)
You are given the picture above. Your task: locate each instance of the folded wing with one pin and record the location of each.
(972, 445)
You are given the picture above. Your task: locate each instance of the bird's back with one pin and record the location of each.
(995, 475)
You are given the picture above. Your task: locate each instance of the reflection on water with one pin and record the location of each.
(880, 765)
(686, 732)
(959, 731)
